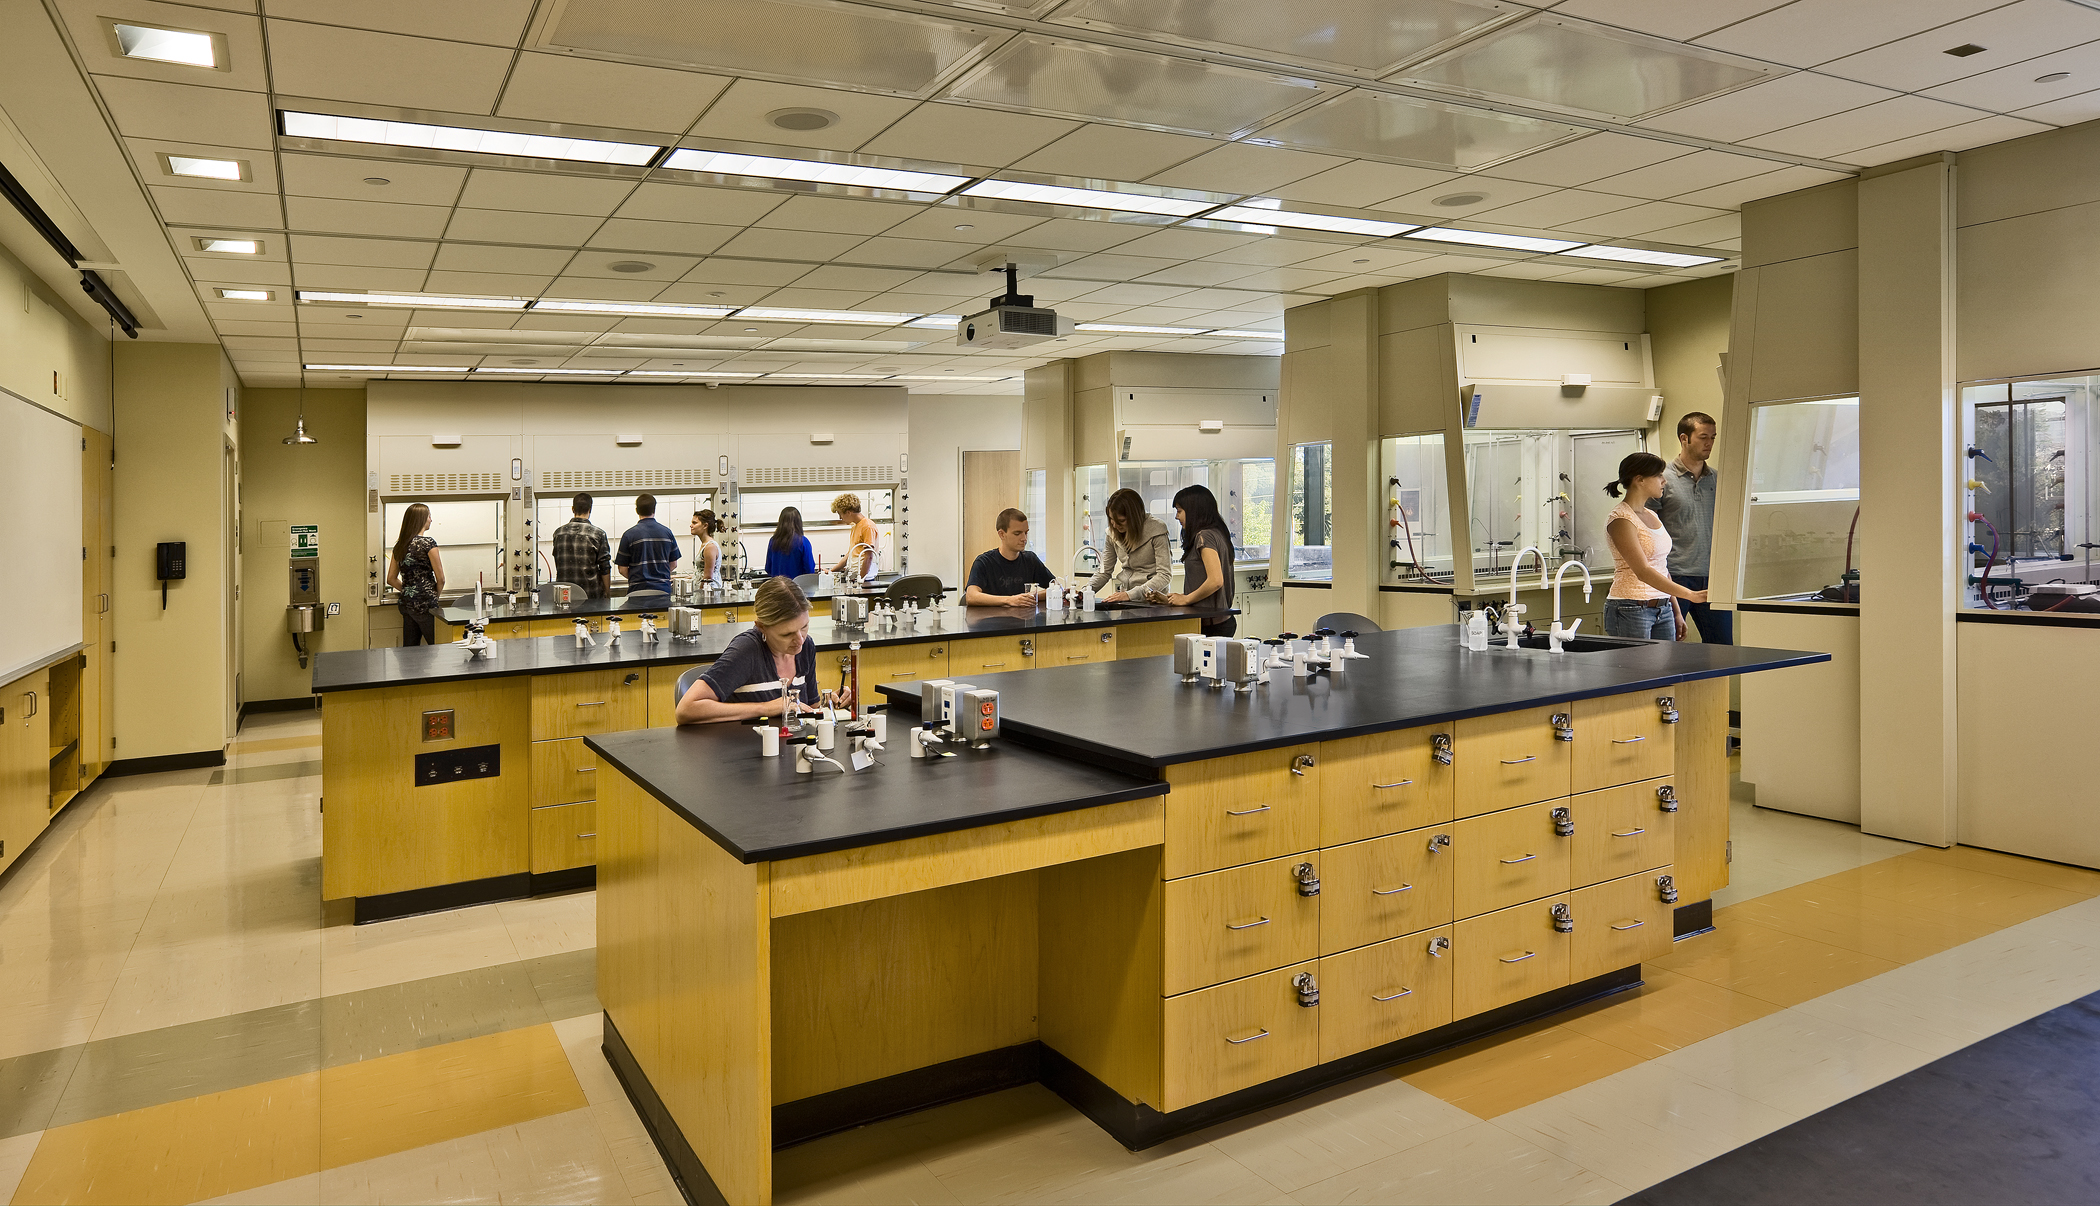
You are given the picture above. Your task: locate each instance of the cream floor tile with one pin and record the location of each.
(297, 1189)
(1021, 1145)
(14, 1161)
(1795, 1062)
(634, 1153)
(1502, 1072)
(1775, 850)
(2028, 968)
(580, 1039)
(831, 1179)
(355, 957)
(559, 1158)
(1643, 1125)
(1311, 1139)
(1200, 1174)
(169, 985)
(1907, 1008)
(455, 1171)
(1481, 1164)
(25, 1030)
(551, 925)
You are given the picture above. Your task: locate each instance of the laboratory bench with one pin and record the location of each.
(1249, 896)
(450, 779)
(530, 619)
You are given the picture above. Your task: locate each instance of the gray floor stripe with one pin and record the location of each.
(256, 774)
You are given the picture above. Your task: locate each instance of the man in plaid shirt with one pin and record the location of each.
(582, 552)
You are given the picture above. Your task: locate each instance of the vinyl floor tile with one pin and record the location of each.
(413, 948)
(458, 1089)
(1022, 1145)
(2012, 866)
(1972, 895)
(169, 985)
(1794, 1062)
(15, 1151)
(1765, 963)
(1315, 1137)
(31, 1087)
(258, 745)
(1668, 1011)
(1482, 1164)
(1846, 918)
(1511, 1070)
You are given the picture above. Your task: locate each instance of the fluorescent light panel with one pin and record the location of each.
(231, 246)
(166, 45)
(424, 301)
(387, 368)
(775, 314)
(552, 372)
(207, 169)
(1086, 198)
(935, 320)
(1124, 328)
(771, 168)
(943, 377)
(243, 294)
(1282, 217)
(833, 376)
(1640, 255)
(1481, 238)
(685, 373)
(639, 309)
(463, 138)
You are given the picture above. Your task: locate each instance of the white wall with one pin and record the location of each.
(943, 427)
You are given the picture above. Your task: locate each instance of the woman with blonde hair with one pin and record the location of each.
(1134, 558)
(744, 683)
(418, 573)
(860, 537)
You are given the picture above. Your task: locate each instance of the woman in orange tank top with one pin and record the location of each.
(1639, 602)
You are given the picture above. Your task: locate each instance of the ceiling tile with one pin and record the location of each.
(837, 215)
(724, 271)
(1557, 207)
(1274, 253)
(2017, 31)
(1789, 100)
(365, 217)
(373, 253)
(1770, 184)
(188, 113)
(1672, 19)
(909, 253)
(861, 279)
(256, 328)
(940, 222)
(1597, 276)
(1133, 295)
(689, 238)
(1991, 129)
(1808, 32)
(1357, 260)
(339, 276)
(1640, 219)
(899, 302)
(544, 192)
(818, 299)
(1183, 243)
(229, 269)
(1703, 233)
(1282, 279)
(1196, 273)
(2017, 86)
(740, 113)
(406, 183)
(1900, 117)
(591, 92)
(1587, 159)
(1376, 125)
(576, 327)
(600, 263)
(1110, 267)
(332, 63)
(89, 22)
(1526, 270)
(1361, 185)
(690, 203)
(1687, 173)
(494, 22)
(1078, 234)
(1246, 168)
(208, 207)
(948, 133)
(474, 257)
(807, 246)
(605, 288)
(1594, 70)
(1492, 193)
(1098, 152)
(512, 226)
(1108, 83)
(2083, 106)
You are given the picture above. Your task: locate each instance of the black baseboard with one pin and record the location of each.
(1138, 1126)
(564, 881)
(165, 762)
(388, 906)
(679, 1156)
(906, 1093)
(254, 707)
(1692, 919)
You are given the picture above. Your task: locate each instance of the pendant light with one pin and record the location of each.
(299, 435)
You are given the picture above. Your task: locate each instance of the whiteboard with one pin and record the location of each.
(40, 544)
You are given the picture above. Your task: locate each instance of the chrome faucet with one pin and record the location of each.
(1557, 634)
(853, 563)
(1513, 615)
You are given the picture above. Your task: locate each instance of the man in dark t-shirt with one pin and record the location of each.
(1003, 576)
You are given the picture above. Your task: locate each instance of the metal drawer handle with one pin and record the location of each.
(1519, 761)
(1077, 657)
(1401, 783)
(598, 704)
(1527, 858)
(581, 836)
(1636, 925)
(586, 770)
(1392, 891)
(1405, 992)
(1630, 833)
(1519, 958)
(1250, 925)
(1247, 812)
(904, 674)
(989, 665)
(1262, 1033)
(1626, 740)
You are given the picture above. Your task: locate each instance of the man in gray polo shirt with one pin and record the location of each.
(1687, 510)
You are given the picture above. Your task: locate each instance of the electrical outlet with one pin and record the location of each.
(455, 766)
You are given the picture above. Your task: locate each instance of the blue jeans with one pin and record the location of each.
(1715, 627)
(1649, 620)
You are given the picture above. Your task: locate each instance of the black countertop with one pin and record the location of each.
(1138, 713)
(359, 669)
(760, 810)
(618, 605)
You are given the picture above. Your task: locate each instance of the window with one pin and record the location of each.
(1801, 527)
(469, 533)
(2028, 519)
(1312, 513)
(1417, 509)
(1034, 486)
(1245, 489)
(1542, 489)
(759, 513)
(1089, 517)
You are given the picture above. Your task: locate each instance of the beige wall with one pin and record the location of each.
(44, 344)
(1688, 335)
(943, 427)
(2028, 242)
(281, 485)
(172, 429)
(1798, 295)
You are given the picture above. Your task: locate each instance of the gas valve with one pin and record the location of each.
(1440, 747)
(1563, 920)
(1308, 879)
(1308, 989)
(1563, 727)
(1440, 843)
(1666, 887)
(1666, 798)
(1438, 947)
(1563, 822)
(1668, 704)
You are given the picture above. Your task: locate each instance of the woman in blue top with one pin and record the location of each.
(788, 554)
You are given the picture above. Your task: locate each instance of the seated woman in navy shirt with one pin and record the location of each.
(788, 554)
(744, 683)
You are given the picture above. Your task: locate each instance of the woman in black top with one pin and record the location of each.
(1206, 557)
(744, 683)
(418, 573)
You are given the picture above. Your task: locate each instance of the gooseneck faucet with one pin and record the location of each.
(1513, 615)
(854, 563)
(1557, 634)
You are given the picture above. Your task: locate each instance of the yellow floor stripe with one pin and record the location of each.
(205, 1147)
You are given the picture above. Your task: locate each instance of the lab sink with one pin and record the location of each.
(1582, 644)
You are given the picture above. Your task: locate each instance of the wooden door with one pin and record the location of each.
(991, 482)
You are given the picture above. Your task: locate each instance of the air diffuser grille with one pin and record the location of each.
(819, 475)
(625, 479)
(447, 483)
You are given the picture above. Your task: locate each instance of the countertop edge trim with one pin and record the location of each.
(40, 663)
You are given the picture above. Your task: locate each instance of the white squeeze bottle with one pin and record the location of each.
(1477, 631)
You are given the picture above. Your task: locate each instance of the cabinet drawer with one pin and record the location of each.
(1223, 812)
(564, 836)
(1380, 994)
(1510, 856)
(1235, 1035)
(502, 630)
(1621, 830)
(563, 772)
(1382, 783)
(1075, 648)
(1385, 887)
(1229, 924)
(1618, 924)
(1621, 739)
(990, 655)
(594, 701)
(1511, 758)
(1507, 956)
(899, 664)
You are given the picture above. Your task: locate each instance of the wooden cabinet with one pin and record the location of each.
(1618, 924)
(1075, 648)
(662, 707)
(1383, 783)
(1506, 956)
(1154, 638)
(587, 702)
(1510, 758)
(1237, 1034)
(1621, 830)
(1384, 887)
(97, 620)
(1510, 856)
(563, 836)
(1380, 994)
(990, 655)
(915, 662)
(25, 763)
(1223, 812)
(1622, 739)
(1233, 923)
(563, 772)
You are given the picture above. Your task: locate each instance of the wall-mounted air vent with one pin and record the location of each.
(625, 479)
(819, 475)
(446, 483)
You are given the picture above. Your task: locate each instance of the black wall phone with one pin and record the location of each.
(170, 564)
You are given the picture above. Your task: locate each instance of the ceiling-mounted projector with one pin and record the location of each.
(1014, 320)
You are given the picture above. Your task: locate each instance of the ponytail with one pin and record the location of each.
(1637, 464)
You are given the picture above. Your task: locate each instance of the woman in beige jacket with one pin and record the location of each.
(1134, 558)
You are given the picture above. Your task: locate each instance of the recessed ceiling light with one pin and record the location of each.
(2052, 77)
(1087, 198)
(965, 226)
(244, 294)
(750, 328)
(1641, 255)
(1480, 238)
(187, 47)
(1964, 50)
(935, 320)
(377, 181)
(631, 266)
(423, 300)
(1260, 215)
(639, 309)
(867, 317)
(524, 362)
(388, 368)
(1454, 199)
(463, 138)
(772, 168)
(803, 119)
(230, 246)
(206, 169)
